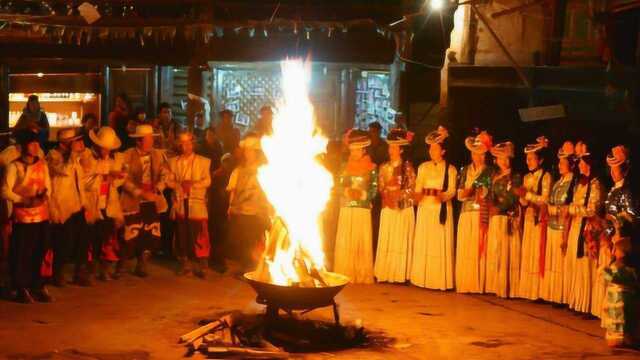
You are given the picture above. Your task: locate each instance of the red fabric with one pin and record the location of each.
(202, 244)
(46, 269)
(147, 187)
(484, 226)
(110, 248)
(104, 188)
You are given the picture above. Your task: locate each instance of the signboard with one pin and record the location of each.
(542, 113)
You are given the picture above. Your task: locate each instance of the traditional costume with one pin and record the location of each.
(248, 211)
(396, 182)
(473, 224)
(67, 209)
(580, 259)
(433, 249)
(190, 178)
(537, 184)
(357, 186)
(503, 238)
(146, 175)
(27, 185)
(551, 287)
(103, 178)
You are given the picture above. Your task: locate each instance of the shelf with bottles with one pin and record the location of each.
(54, 97)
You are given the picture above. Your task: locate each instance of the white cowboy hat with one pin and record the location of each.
(106, 138)
(437, 136)
(142, 131)
(541, 143)
(480, 143)
(618, 156)
(68, 134)
(568, 150)
(503, 150)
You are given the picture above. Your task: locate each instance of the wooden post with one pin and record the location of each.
(4, 97)
(194, 86)
(105, 95)
(153, 79)
(559, 12)
(347, 101)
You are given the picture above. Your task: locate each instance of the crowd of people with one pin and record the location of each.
(105, 197)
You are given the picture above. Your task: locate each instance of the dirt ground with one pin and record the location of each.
(134, 318)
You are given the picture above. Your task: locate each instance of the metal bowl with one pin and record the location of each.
(298, 298)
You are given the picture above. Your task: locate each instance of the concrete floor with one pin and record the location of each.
(144, 318)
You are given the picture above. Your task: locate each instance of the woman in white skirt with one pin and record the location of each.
(396, 182)
(358, 186)
(433, 248)
(533, 196)
(558, 226)
(503, 238)
(473, 191)
(586, 202)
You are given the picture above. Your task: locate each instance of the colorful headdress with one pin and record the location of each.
(567, 150)
(357, 139)
(618, 156)
(581, 150)
(480, 143)
(399, 136)
(503, 150)
(541, 143)
(437, 136)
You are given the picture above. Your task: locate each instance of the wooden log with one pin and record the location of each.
(254, 352)
(225, 321)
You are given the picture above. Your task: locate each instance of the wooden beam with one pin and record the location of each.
(521, 7)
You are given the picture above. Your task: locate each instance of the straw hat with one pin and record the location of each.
(437, 136)
(480, 143)
(251, 142)
(567, 150)
(106, 138)
(541, 143)
(68, 135)
(357, 139)
(618, 156)
(399, 136)
(503, 150)
(143, 130)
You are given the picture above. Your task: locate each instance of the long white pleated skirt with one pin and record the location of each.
(569, 268)
(583, 271)
(394, 244)
(552, 282)
(470, 266)
(503, 257)
(432, 260)
(599, 291)
(530, 260)
(353, 255)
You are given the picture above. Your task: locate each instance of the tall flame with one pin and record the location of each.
(294, 181)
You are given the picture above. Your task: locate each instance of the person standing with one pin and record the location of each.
(396, 182)
(67, 208)
(473, 224)
(218, 204)
(533, 197)
(580, 261)
(190, 178)
(264, 124)
(433, 248)
(551, 287)
(211, 148)
(503, 235)
(357, 186)
(248, 208)
(27, 186)
(34, 117)
(227, 133)
(119, 117)
(142, 199)
(89, 122)
(104, 176)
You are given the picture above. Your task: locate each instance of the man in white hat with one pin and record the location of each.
(141, 199)
(190, 178)
(103, 176)
(66, 207)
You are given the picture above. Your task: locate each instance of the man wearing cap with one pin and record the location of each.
(141, 199)
(67, 207)
(27, 186)
(190, 178)
(103, 178)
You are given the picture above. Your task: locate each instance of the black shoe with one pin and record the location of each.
(43, 296)
(24, 297)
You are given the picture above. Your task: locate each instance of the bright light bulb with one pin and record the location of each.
(40, 75)
(437, 4)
